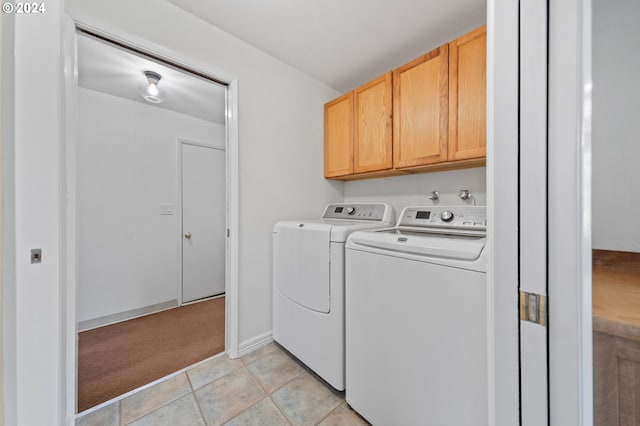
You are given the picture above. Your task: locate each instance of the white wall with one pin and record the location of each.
(413, 190)
(280, 131)
(616, 125)
(126, 167)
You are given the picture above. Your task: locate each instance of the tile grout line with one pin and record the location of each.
(214, 381)
(190, 384)
(246, 409)
(260, 383)
(251, 377)
(195, 398)
(286, 383)
(255, 381)
(269, 394)
(330, 412)
(275, 390)
(280, 410)
(217, 378)
(157, 408)
(304, 369)
(327, 415)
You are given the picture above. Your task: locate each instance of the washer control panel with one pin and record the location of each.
(377, 212)
(459, 217)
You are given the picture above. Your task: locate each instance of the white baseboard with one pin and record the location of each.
(255, 343)
(124, 316)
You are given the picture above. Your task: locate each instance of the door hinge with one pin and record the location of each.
(533, 308)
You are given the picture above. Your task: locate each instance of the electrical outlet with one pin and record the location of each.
(36, 255)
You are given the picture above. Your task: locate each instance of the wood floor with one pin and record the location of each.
(118, 358)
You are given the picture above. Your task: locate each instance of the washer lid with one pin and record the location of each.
(340, 230)
(336, 230)
(459, 246)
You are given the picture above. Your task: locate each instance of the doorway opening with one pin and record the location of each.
(151, 185)
(615, 196)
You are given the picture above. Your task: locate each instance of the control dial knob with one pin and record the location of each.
(351, 211)
(446, 216)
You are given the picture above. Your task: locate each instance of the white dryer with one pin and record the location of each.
(416, 322)
(309, 281)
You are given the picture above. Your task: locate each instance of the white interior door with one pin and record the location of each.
(203, 221)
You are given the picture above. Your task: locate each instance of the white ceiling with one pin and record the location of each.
(343, 43)
(112, 70)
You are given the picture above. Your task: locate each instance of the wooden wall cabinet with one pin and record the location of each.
(420, 110)
(372, 148)
(338, 136)
(433, 119)
(358, 130)
(467, 95)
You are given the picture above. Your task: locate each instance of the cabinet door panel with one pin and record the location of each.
(629, 383)
(420, 110)
(467, 96)
(372, 140)
(338, 136)
(605, 379)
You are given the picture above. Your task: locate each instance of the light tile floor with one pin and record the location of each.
(266, 387)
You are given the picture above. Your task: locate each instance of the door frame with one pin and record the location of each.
(179, 143)
(569, 197)
(69, 202)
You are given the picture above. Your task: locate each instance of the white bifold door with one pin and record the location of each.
(533, 213)
(203, 221)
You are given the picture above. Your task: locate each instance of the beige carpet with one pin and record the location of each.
(115, 359)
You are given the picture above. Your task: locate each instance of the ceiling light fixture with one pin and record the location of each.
(149, 88)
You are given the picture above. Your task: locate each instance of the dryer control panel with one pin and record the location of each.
(456, 217)
(376, 212)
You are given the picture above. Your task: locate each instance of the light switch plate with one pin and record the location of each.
(166, 209)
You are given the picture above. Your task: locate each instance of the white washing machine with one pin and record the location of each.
(308, 284)
(416, 319)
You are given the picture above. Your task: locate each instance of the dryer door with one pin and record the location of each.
(301, 264)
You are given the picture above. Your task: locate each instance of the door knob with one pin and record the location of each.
(187, 235)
